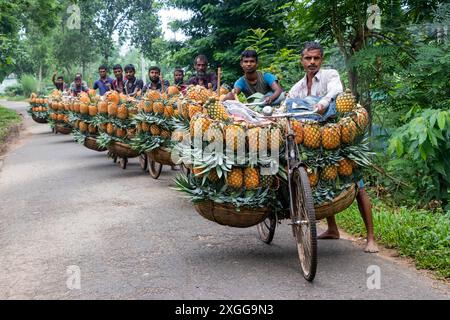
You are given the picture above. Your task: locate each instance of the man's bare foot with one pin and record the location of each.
(329, 234)
(371, 247)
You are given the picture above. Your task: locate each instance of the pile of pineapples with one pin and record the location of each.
(38, 106)
(153, 121)
(222, 174)
(114, 118)
(59, 109)
(337, 151)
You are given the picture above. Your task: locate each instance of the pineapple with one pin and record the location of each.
(198, 93)
(110, 129)
(312, 137)
(131, 133)
(102, 107)
(275, 133)
(92, 110)
(145, 127)
(165, 134)
(361, 118)
(253, 139)
(331, 136)
(234, 136)
(173, 90)
(251, 178)
(155, 130)
(313, 178)
(158, 107)
(345, 167)
(216, 110)
(348, 130)
(329, 173)
(92, 129)
(84, 108)
(122, 112)
(197, 171)
(298, 131)
(212, 176)
(214, 132)
(199, 125)
(345, 102)
(235, 178)
(112, 109)
(121, 133)
(148, 106)
(153, 95)
(83, 126)
(267, 181)
(102, 127)
(193, 109)
(168, 111)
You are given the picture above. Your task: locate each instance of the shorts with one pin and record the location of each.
(360, 184)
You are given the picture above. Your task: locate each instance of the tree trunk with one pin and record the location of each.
(40, 79)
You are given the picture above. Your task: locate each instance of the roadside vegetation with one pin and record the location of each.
(8, 118)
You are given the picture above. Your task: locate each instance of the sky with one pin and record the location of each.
(166, 15)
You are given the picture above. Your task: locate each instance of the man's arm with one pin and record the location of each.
(95, 85)
(334, 87)
(277, 90)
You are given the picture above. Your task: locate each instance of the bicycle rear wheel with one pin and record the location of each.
(266, 229)
(304, 222)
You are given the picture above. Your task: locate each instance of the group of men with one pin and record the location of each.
(319, 86)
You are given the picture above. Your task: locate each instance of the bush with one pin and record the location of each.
(419, 234)
(421, 148)
(29, 84)
(14, 90)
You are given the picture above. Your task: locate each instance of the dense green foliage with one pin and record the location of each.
(8, 118)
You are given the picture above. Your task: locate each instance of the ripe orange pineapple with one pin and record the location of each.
(348, 130)
(92, 129)
(193, 109)
(92, 110)
(110, 129)
(103, 107)
(234, 136)
(312, 136)
(122, 112)
(251, 178)
(331, 136)
(313, 178)
(145, 127)
(121, 133)
(153, 95)
(83, 126)
(84, 108)
(345, 102)
(155, 130)
(112, 109)
(158, 107)
(199, 125)
(235, 178)
(345, 167)
(168, 111)
(212, 176)
(329, 173)
(297, 127)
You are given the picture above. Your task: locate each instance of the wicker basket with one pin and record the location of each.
(39, 119)
(123, 150)
(161, 156)
(340, 203)
(91, 143)
(227, 215)
(62, 129)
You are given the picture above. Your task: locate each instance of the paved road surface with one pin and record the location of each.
(131, 237)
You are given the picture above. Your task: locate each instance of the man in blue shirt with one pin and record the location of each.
(103, 84)
(255, 81)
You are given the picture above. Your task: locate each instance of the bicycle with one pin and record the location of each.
(301, 204)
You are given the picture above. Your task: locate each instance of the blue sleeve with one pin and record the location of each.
(95, 85)
(240, 83)
(269, 78)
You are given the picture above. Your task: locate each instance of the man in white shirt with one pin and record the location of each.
(322, 87)
(320, 83)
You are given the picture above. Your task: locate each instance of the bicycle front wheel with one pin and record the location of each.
(304, 222)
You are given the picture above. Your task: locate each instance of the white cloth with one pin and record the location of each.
(326, 84)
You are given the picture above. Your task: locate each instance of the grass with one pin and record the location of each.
(8, 118)
(419, 234)
(15, 98)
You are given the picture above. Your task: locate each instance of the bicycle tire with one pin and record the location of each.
(303, 214)
(266, 229)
